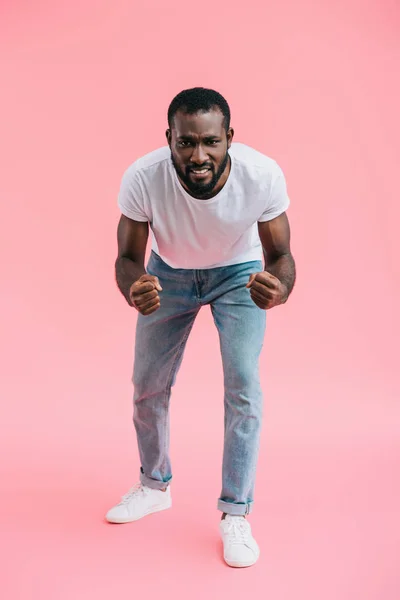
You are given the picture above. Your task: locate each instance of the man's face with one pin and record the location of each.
(199, 149)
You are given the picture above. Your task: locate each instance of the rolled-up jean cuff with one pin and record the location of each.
(154, 484)
(236, 510)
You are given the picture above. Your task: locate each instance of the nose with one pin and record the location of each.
(199, 156)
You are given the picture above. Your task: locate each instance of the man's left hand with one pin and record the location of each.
(266, 290)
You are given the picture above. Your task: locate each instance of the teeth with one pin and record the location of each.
(200, 172)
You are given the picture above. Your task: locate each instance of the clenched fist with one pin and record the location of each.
(144, 294)
(266, 290)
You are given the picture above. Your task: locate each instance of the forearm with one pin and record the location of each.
(283, 268)
(127, 272)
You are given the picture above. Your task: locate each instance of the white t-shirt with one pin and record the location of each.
(188, 233)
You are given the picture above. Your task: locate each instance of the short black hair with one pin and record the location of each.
(199, 99)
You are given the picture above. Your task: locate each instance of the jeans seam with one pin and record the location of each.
(171, 375)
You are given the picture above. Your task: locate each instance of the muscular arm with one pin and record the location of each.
(132, 240)
(275, 240)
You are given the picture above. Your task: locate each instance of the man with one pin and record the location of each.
(213, 207)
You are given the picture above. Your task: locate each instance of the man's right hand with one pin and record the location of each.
(144, 294)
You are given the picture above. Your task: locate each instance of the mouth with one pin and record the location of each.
(200, 173)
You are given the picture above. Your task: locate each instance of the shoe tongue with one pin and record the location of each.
(230, 518)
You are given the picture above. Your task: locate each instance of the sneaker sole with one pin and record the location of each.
(241, 565)
(155, 509)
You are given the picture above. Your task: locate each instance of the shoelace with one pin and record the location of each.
(136, 490)
(238, 531)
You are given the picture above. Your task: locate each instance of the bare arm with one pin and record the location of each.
(129, 267)
(275, 240)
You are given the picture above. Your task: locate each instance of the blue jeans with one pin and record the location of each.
(160, 342)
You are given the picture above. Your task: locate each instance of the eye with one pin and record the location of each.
(213, 142)
(183, 144)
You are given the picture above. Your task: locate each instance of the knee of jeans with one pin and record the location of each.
(147, 384)
(246, 405)
(149, 391)
(243, 378)
(243, 391)
(246, 401)
(153, 380)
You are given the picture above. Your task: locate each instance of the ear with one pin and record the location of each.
(229, 136)
(168, 136)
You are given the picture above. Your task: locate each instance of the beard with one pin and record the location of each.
(200, 189)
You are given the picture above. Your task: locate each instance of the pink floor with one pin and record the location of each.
(85, 90)
(328, 497)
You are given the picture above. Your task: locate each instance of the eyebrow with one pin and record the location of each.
(192, 137)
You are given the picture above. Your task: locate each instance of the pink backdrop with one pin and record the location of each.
(85, 89)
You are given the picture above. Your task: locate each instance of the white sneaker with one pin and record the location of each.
(240, 548)
(139, 502)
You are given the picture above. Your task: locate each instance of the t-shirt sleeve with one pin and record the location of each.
(130, 197)
(278, 201)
